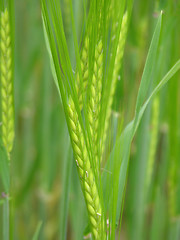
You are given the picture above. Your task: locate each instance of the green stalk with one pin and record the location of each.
(6, 219)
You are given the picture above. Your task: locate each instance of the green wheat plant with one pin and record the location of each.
(87, 95)
(6, 84)
(115, 76)
(96, 155)
(7, 109)
(84, 93)
(85, 172)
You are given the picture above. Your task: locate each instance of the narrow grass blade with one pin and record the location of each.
(157, 227)
(138, 166)
(149, 67)
(36, 235)
(129, 132)
(50, 56)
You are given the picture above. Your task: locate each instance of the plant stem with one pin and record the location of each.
(6, 219)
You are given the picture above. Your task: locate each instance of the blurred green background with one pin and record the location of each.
(41, 146)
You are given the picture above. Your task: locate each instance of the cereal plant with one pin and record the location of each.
(95, 155)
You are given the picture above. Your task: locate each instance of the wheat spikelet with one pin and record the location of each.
(95, 98)
(6, 84)
(117, 66)
(85, 171)
(81, 88)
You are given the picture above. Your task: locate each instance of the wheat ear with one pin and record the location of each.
(81, 88)
(6, 83)
(95, 98)
(86, 174)
(117, 66)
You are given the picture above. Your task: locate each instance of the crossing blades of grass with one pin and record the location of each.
(124, 142)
